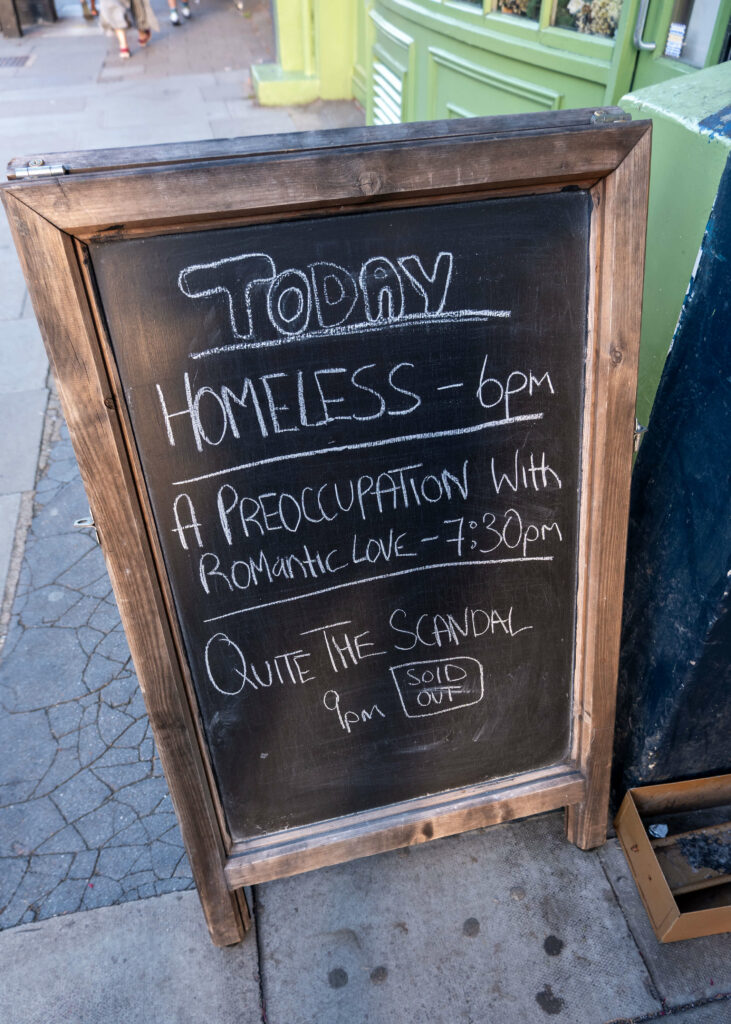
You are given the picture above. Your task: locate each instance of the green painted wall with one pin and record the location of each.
(687, 161)
(409, 60)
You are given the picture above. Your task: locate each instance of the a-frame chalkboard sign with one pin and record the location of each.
(354, 412)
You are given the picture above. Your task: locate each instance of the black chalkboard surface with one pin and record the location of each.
(354, 414)
(361, 437)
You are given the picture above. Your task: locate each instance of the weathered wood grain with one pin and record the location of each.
(417, 821)
(60, 303)
(620, 231)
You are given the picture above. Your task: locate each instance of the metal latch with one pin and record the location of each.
(87, 523)
(36, 168)
(640, 431)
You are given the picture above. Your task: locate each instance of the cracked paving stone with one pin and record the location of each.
(91, 745)
(133, 834)
(44, 668)
(69, 549)
(100, 825)
(100, 892)
(84, 864)
(48, 605)
(65, 765)
(119, 776)
(12, 870)
(165, 859)
(79, 614)
(86, 572)
(170, 885)
(120, 755)
(133, 736)
(24, 826)
(80, 795)
(65, 898)
(156, 825)
(100, 671)
(74, 732)
(146, 795)
(67, 840)
(115, 647)
(117, 861)
(120, 691)
(27, 752)
(105, 618)
(112, 723)
(64, 718)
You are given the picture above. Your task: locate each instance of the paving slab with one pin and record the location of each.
(507, 924)
(21, 427)
(85, 816)
(23, 360)
(682, 972)
(146, 961)
(9, 510)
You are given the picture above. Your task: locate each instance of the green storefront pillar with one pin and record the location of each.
(316, 51)
(690, 144)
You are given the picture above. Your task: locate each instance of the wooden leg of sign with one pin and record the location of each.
(620, 211)
(60, 302)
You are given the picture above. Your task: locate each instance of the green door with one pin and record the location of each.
(677, 37)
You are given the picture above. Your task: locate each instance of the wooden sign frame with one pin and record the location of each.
(130, 193)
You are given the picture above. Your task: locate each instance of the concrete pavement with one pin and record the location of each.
(508, 925)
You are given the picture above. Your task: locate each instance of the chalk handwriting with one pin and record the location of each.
(266, 307)
(427, 688)
(450, 629)
(492, 532)
(347, 719)
(344, 648)
(229, 671)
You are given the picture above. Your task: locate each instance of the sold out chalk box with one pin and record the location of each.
(354, 412)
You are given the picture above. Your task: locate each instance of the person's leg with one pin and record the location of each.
(174, 16)
(185, 8)
(122, 40)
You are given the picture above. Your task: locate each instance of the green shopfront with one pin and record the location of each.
(411, 60)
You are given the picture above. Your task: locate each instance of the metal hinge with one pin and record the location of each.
(610, 116)
(36, 168)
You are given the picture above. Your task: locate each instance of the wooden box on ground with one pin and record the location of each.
(684, 878)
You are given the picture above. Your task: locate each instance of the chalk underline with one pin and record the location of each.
(376, 443)
(383, 576)
(366, 327)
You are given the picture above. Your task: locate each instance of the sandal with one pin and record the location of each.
(124, 52)
(143, 37)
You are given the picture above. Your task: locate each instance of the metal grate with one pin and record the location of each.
(14, 62)
(387, 95)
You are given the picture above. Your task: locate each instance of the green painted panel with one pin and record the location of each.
(473, 89)
(687, 161)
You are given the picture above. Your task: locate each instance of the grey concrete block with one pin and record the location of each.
(138, 962)
(12, 292)
(23, 360)
(9, 509)
(21, 424)
(682, 971)
(508, 924)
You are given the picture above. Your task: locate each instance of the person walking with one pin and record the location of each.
(184, 10)
(116, 16)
